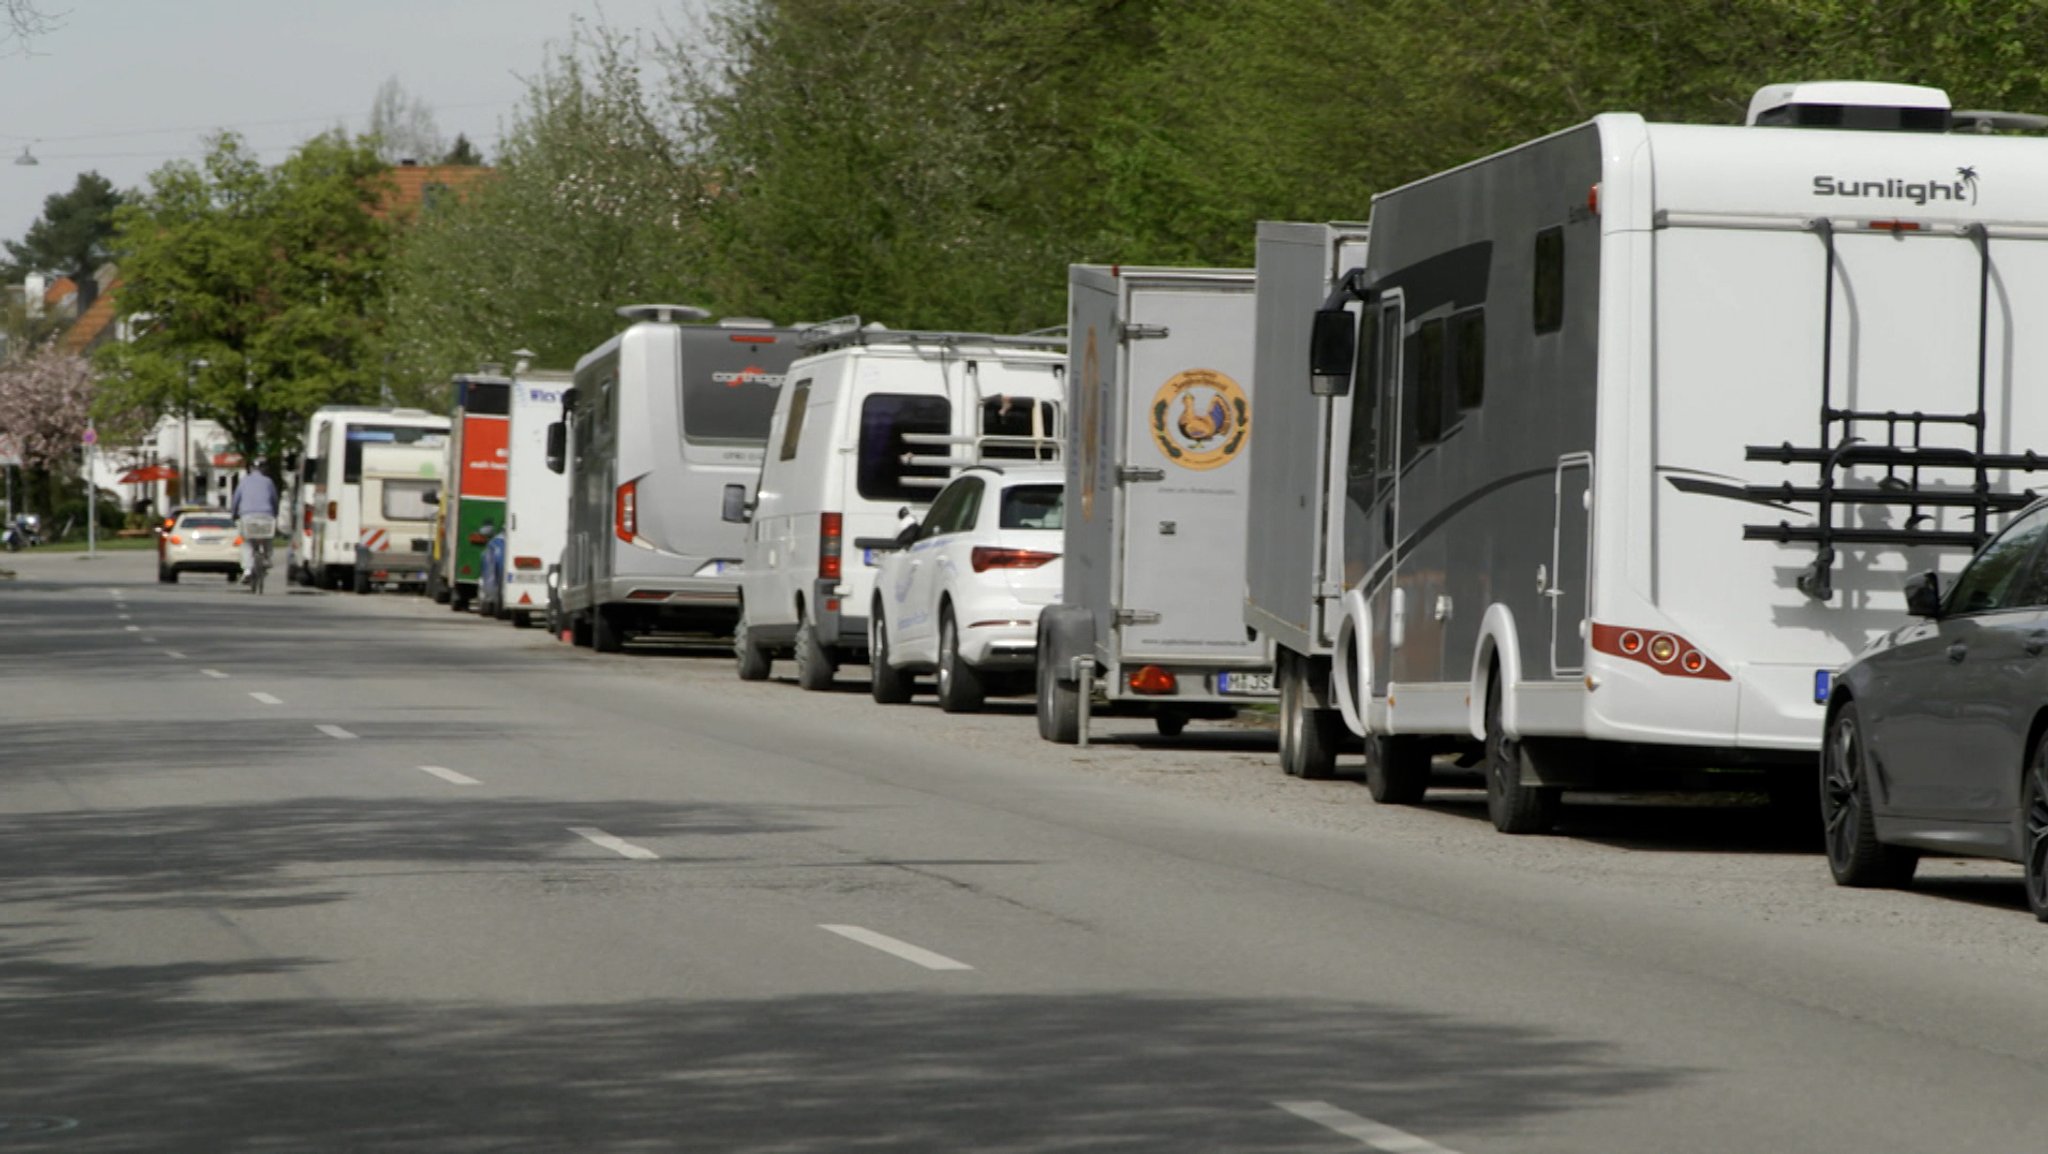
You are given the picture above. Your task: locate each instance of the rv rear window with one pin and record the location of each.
(1012, 417)
(799, 402)
(407, 500)
(1549, 290)
(359, 435)
(888, 469)
(729, 388)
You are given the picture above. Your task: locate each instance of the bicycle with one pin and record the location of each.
(260, 533)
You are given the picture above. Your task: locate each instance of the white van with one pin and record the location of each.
(872, 424)
(326, 491)
(536, 498)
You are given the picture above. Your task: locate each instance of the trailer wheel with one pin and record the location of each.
(361, 581)
(887, 685)
(1396, 769)
(753, 661)
(960, 686)
(1059, 702)
(579, 630)
(522, 620)
(605, 635)
(1514, 807)
(1170, 724)
(1309, 737)
(813, 665)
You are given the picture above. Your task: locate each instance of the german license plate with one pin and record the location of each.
(1245, 684)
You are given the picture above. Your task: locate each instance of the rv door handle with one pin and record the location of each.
(1957, 651)
(2036, 642)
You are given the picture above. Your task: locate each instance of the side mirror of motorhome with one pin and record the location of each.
(1332, 351)
(1923, 594)
(558, 446)
(738, 510)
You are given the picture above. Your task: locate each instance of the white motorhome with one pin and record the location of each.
(662, 436)
(536, 498)
(872, 425)
(326, 494)
(1161, 386)
(395, 523)
(1648, 422)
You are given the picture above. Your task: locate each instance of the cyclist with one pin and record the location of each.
(255, 496)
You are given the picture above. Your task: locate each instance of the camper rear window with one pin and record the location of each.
(359, 435)
(887, 469)
(407, 500)
(1009, 417)
(729, 388)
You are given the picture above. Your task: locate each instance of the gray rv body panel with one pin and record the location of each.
(1159, 475)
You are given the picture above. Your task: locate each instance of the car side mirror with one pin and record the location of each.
(881, 544)
(1923, 594)
(1332, 352)
(737, 510)
(908, 534)
(558, 446)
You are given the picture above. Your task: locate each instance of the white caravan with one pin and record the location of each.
(663, 436)
(326, 497)
(1649, 422)
(536, 497)
(1161, 388)
(873, 424)
(1294, 549)
(400, 486)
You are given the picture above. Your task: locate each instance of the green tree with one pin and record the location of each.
(72, 235)
(463, 152)
(273, 276)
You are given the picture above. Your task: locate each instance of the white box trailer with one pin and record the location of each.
(536, 497)
(1294, 553)
(1649, 421)
(1160, 401)
(399, 488)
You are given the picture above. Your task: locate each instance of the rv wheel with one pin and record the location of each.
(1513, 806)
(1396, 769)
(813, 664)
(605, 635)
(754, 661)
(887, 684)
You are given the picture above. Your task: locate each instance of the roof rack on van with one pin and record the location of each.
(848, 331)
(666, 314)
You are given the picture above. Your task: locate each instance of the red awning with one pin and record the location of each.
(144, 474)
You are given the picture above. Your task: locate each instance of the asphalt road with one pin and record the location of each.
(314, 872)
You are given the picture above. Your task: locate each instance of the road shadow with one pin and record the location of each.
(1694, 823)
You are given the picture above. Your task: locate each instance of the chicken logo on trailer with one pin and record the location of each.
(1200, 419)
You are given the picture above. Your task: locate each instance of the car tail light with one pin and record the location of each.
(526, 563)
(626, 511)
(1154, 681)
(1660, 649)
(238, 540)
(987, 557)
(831, 536)
(334, 510)
(309, 518)
(177, 540)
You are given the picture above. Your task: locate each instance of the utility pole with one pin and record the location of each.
(92, 493)
(192, 368)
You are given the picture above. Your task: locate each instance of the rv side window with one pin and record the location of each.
(1423, 407)
(888, 469)
(1549, 293)
(1468, 357)
(407, 500)
(1011, 417)
(799, 402)
(1363, 464)
(1389, 396)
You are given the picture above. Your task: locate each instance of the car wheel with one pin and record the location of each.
(1170, 724)
(1396, 769)
(960, 687)
(162, 574)
(1513, 806)
(1309, 737)
(2036, 807)
(171, 575)
(813, 665)
(753, 661)
(888, 685)
(1855, 856)
(1059, 702)
(579, 630)
(605, 634)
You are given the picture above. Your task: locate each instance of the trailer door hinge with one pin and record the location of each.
(1127, 474)
(1136, 617)
(1137, 332)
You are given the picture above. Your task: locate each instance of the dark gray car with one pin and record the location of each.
(1937, 734)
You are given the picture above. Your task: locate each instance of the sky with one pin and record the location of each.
(123, 86)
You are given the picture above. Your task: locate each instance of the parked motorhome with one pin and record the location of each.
(872, 425)
(400, 485)
(1294, 547)
(473, 499)
(536, 500)
(663, 435)
(327, 492)
(1648, 421)
(1161, 389)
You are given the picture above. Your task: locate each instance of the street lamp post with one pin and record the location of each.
(192, 368)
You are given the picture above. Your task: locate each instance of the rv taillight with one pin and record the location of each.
(1893, 225)
(985, 558)
(526, 563)
(626, 511)
(334, 510)
(309, 518)
(831, 535)
(1664, 651)
(1154, 682)
(750, 339)
(1593, 200)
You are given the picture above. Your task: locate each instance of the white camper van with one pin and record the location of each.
(536, 498)
(1295, 547)
(395, 521)
(1161, 387)
(1648, 422)
(327, 492)
(663, 435)
(872, 425)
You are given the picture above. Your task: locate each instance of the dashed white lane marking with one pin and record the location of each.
(619, 846)
(132, 628)
(266, 699)
(149, 641)
(124, 616)
(174, 655)
(336, 732)
(215, 674)
(1365, 1130)
(888, 945)
(449, 775)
